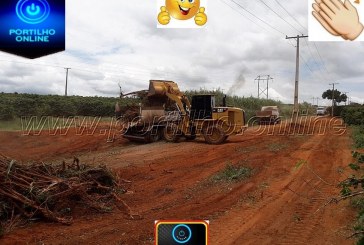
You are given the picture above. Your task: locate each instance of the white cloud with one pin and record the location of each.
(118, 42)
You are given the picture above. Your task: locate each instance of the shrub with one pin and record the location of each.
(358, 136)
(233, 173)
(353, 115)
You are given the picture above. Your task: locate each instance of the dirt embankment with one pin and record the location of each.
(282, 203)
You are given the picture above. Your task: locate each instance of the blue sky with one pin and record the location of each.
(117, 42)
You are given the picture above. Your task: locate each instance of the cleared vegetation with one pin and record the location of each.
(54, 192)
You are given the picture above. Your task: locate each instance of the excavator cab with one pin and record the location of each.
(202, 106)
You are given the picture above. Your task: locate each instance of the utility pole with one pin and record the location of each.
(65, 92)
(332, 96)
(317, 98)
(262, 90)
(268, 78)
(295, 108)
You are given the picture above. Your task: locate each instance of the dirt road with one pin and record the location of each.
(295, 171)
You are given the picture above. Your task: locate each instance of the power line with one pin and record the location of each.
(323, 63)
(323, 74)
(279, 16)
(306, 64)
(266, 23)
(240, 6)
(290, 42)
(291, 15)
(243, 15)
(255, 22)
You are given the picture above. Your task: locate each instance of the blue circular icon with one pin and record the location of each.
(32, 11)
(181, 234)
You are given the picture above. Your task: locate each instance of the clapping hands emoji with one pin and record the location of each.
(338, 18)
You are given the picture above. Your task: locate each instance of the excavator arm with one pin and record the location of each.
(171, 90)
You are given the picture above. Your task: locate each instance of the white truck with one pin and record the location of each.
(320, 111)
(268, 115)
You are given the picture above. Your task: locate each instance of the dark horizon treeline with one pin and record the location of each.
(23, 105)
(14, 105)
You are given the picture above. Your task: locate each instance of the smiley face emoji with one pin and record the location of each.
(182, 10)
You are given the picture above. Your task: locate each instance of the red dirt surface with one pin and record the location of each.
(295, 172)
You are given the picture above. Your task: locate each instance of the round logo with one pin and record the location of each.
(181, 234)
(32, 11)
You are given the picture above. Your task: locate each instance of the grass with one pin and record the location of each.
(12, 125)
(246, 149)
(45, 123)
(296, 218)
(264, 185)
(276, 147)
(233, 173)
(358, 203)
(299, 164)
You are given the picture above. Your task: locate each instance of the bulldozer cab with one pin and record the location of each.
(202, 106)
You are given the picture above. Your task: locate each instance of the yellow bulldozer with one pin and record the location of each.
(155, 120)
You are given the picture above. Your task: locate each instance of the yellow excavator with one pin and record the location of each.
(155, 119)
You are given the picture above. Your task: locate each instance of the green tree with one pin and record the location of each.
(337, 95)
(6, 112)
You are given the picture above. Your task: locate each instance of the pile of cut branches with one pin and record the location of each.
(54, 191)
(129, 112)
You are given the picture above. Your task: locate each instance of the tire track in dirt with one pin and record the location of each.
(265, 218)
(309, 216)
(253, 219)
